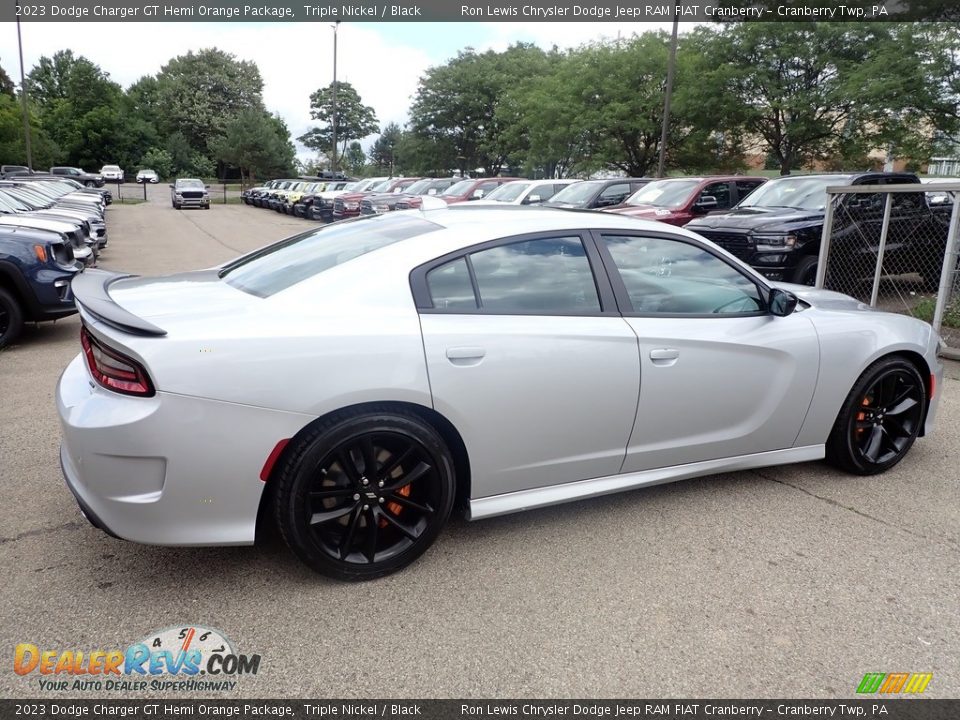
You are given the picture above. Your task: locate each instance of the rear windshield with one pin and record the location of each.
(288, 262)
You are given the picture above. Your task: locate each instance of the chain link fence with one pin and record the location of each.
(894, 247)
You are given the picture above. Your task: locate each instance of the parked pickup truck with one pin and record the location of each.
(777, 229)
(80, 175)
(677, 201)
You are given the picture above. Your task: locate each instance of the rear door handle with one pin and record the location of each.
(465, 355)
(664, 356)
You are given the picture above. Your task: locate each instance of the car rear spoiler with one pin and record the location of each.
(91, 291)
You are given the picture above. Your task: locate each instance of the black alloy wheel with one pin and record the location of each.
(364, 497)
(880, 419)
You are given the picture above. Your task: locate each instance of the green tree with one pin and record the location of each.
(256, 143)
(199, 92)
(43, 150)
(819, 91)
(6, 84)
(383, 153)
(456, 105)
(355, 120)
(159, 160)
(354, 159)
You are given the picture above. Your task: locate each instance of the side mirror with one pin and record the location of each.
(171, 184)
(207, 187)
(781, 302)
(706, 203)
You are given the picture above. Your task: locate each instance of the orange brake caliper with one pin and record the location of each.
(396, 508)
(862, 415)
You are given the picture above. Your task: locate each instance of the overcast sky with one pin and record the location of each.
(383, 61)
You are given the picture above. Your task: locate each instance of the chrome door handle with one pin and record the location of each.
(664, 356)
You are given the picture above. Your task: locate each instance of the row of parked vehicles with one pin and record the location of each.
(774, 225)
(51, 227)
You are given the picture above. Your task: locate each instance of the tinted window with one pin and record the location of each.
(450, 286)
(536, 276)
(614, 195)
(745, 187)
(720, 191)
(673, 277)
(295, 259)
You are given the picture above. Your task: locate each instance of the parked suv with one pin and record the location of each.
(36, 267)
(80, 175)
(677, 201)
(591, 194)
(777, 229)
(112, 173)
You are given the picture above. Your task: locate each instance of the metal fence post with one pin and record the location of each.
(949, 264)
(884, 229)
(825, 242)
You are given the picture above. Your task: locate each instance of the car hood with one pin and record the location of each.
(756, 218)
(823, 299)
(651, 212)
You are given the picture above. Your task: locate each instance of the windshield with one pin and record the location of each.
(13, 201)
(802, 193)
(578, 193)
(419, 186)
(295, 259)
(189, 183)
(381, 186)
(664, 193)
(110, 167)
(458, 189)
(508, 192)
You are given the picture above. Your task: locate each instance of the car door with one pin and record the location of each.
(612, 195)
(720, 376)
(530, 360)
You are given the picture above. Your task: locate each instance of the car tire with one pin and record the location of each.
(805, 273)
(880, 418)
(11, 318)
(364, 494)
(89, 183)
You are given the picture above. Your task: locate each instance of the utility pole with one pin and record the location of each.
(23, 94)
(333, 164)
(671, 69)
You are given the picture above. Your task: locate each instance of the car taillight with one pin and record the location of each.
(114, 370)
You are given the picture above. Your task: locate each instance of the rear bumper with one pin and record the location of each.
(169, 469)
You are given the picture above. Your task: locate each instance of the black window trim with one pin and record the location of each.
(609, 306)
(620, 288)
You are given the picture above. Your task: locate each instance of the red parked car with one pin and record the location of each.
(348, 204)
(469, 189)
(677, 201)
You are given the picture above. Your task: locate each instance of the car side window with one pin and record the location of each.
(720, 191)
(613, 195)
(549, 276)
(745, 187)
(673, 277)
(450, 286)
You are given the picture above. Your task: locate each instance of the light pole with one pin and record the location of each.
(333, 164)
(671, 68)
(23, 94)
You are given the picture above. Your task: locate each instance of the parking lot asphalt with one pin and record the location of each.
(785, 582)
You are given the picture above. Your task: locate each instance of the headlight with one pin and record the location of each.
(774, 240)
(326, 202)
(381, 208)
(351, 206)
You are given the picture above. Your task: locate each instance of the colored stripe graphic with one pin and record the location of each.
(918, 682)
(871, 683)
(894, 682)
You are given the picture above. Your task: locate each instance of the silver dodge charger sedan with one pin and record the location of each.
(353, 383)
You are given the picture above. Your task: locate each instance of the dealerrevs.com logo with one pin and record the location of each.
(174, 659)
